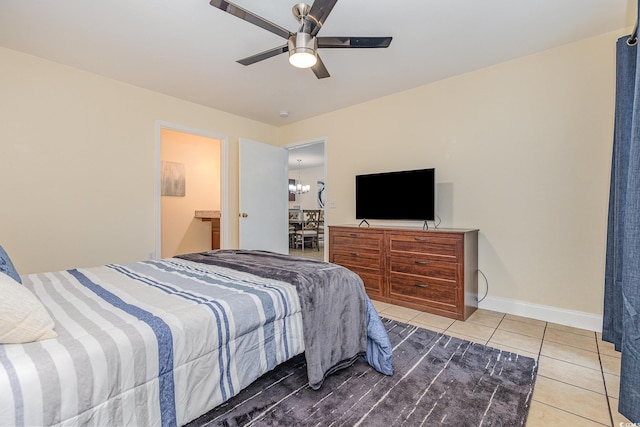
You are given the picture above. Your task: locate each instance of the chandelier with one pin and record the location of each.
(298, 188)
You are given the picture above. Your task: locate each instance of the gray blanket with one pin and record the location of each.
(332, 298)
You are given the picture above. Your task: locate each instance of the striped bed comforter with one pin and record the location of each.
(148, 343)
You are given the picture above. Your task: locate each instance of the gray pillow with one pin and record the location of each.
(6, 266)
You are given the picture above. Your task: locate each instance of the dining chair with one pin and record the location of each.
(295, 224)
(309, 230)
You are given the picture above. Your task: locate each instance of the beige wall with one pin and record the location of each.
(522, 152)
(78, 163)
(181, 232)
(308, 176)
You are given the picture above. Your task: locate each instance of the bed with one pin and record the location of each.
(162, 342)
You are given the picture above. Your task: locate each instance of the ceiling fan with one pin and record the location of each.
(302, 45)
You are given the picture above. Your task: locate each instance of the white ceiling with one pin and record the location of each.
(188, 49)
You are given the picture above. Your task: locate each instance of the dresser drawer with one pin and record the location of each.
(358, 257)
(443, 272)
(435, 247)
(373, 281)
(358, 241)
(422, 291)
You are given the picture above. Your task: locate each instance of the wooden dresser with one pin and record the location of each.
(429, 270)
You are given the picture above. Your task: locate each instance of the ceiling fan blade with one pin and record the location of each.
(353, 42)
(318, 13)
(264, 55)
(254, 19)
(320, 70)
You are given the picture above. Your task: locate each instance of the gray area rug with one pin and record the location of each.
(437, 380)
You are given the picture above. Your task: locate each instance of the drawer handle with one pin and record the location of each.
(421, 285)
(422, 262)
(421, 239)
(355, 254)
(355, 235)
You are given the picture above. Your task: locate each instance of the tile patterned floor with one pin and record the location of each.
(578, 373)
(312, 253)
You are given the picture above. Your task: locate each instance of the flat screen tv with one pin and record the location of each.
(402, 195)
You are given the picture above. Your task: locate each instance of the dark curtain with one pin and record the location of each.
(621, 320)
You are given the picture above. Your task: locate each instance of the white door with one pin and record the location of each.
(263, 197)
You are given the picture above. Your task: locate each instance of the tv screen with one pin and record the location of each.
(403, 195)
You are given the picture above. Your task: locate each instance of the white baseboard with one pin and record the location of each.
(577, 319)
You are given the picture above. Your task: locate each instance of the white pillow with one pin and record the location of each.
(23, 318)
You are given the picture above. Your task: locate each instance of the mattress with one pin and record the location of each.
(149, 343)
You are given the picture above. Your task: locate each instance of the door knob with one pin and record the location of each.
(244, 214)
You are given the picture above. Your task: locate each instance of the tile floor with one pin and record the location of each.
(312, 253)
(578, 373)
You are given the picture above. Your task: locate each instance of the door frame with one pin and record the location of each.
(224, 181)
(311, 141)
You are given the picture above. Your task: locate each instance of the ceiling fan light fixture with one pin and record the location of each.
(302, 50)
(302, 45)
(302, 59)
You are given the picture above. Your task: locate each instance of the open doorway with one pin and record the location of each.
(307, 196)
(190, 192)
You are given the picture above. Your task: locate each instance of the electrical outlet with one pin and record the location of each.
(151, 255)
(332, 204)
